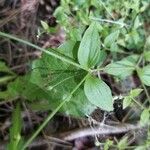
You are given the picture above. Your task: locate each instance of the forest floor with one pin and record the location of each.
(23, 19)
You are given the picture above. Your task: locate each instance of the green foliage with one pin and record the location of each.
(8, 74)
(145, 116)
(4, 68)
(98, 93)
(108, 144)
(122, 68)
(110, 40)
(130, 98)
(134, 93)
(21, 87)
(123, 143)
(140, 148)
(144, 74)
(147, 56)
(45, 25)
(127, 101)
(107, 37)
(89, 49)
(15, 130)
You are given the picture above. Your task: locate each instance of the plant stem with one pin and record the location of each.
(6, 79)
(98, 69)
(51, 115)
(53, 52)
(109, 21)
(138, 103)
(106, 9)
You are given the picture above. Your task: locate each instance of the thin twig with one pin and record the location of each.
(101, 130)
(110, 21)
(106, 9)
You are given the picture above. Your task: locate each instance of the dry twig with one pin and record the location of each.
(100, 130)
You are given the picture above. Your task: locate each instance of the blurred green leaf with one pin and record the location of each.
(147, 44)
(4, 68)
(22, 87)
(111, 38)
(108, 144)
(123, 143)
(137, 23)
(44, 25)
(57, 79)
(67, 48)
(127, 101)
(147, 56)
(122, 68)
(140, 148)
(145, 115)
(135, 92)
(78, 105)
(102, 57)
(144, 74)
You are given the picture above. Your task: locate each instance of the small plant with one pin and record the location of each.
(102, 37)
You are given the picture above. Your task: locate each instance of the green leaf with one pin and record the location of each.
(122, 68)
(123, 143)
(147, 44)
(61, 87)
(75, 34)
(79, 2)
(78, 105)
(67, 48)
(114, 47)
(111, 38)
(4, 68)
(89, 49)
(14, 89)
(135, 92)
(98, 93)
(15, 130)
(144, 75)
(127, 101)
(144, 119)
(58, 80)
(44, 25)
(108, 144)
(8, 74)
(32, 91)
(147, 56)
(47, 68)
(23, 87)
(102, 57)
(140, 148)
(137, 23)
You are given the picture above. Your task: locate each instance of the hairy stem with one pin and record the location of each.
(52, 52)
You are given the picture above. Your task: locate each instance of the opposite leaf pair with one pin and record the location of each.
(97, 91)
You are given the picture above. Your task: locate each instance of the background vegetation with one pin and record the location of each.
(100, 63)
